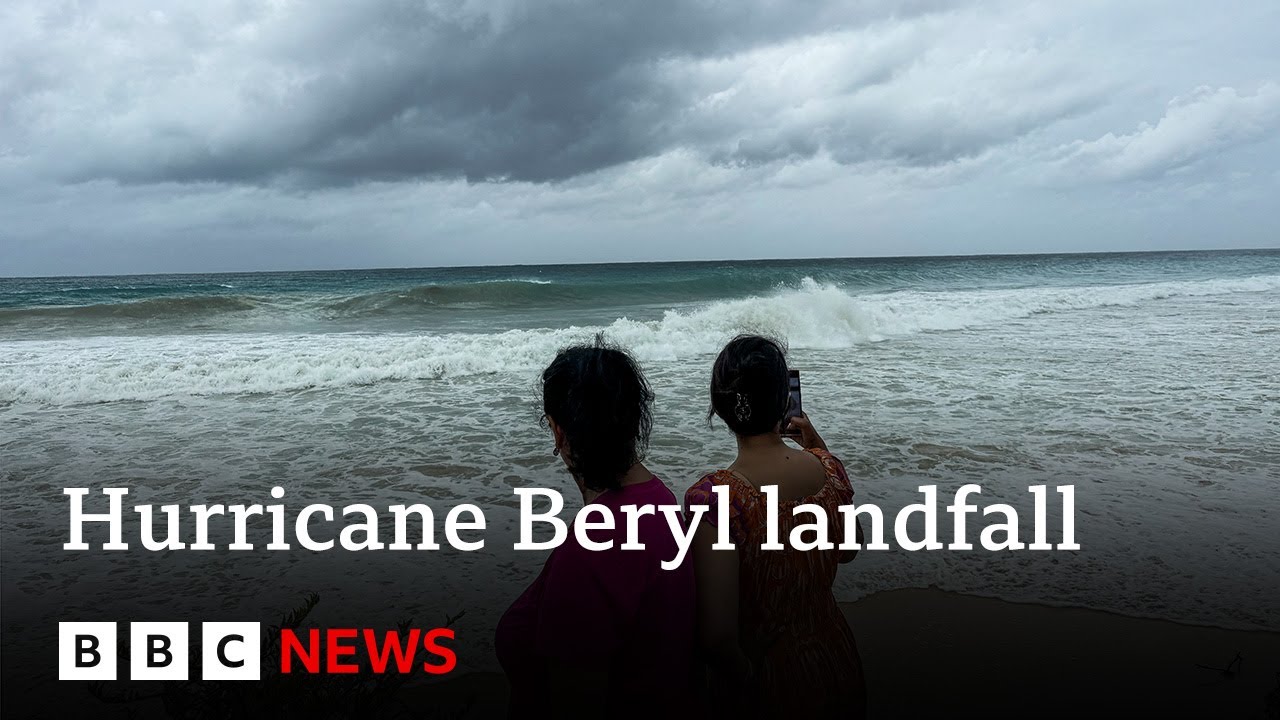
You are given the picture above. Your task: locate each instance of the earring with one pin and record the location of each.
(556, 451)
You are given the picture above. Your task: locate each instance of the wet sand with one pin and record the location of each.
(930, 653)
(927, 652)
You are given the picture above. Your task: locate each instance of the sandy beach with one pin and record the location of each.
(928, 652)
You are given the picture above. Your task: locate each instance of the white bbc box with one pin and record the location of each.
(87, 651)
(158, 651)
(231, 650)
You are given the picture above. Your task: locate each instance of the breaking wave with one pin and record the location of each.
(491, 293)
(813, 316)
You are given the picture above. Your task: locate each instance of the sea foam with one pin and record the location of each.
(813, 316)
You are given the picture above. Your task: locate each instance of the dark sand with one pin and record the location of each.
(928, 652)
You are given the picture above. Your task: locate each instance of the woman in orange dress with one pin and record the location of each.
(771, 633)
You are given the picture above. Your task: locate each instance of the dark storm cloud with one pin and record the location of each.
(331, 94)
(221, 135)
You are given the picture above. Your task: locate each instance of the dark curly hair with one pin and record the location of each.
(599, 398)
(749, 385)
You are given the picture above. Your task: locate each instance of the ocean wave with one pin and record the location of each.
(521, 293)
(159, 304)
(149, 309)
(861, 316)
(527, 281)
(177, 308)
(488, 293)
(814, 316)
(824, 316)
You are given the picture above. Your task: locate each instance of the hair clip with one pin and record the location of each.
(742, 411)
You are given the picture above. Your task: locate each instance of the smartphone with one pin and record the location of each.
(794, 407)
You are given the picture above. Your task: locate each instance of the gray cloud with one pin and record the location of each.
(333, 93)
(1195, 126)
(227, 135)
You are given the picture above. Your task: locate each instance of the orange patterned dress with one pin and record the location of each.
(786, 611)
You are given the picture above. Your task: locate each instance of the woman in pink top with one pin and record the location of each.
(602, 632)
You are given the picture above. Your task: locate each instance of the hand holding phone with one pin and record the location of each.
(795, 424)
(805, 434)
(794, 405)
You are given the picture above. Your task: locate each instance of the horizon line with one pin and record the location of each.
(815, 258)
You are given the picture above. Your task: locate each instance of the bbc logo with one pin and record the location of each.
(159, 651)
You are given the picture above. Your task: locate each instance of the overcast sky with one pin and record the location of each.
(145, 137)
